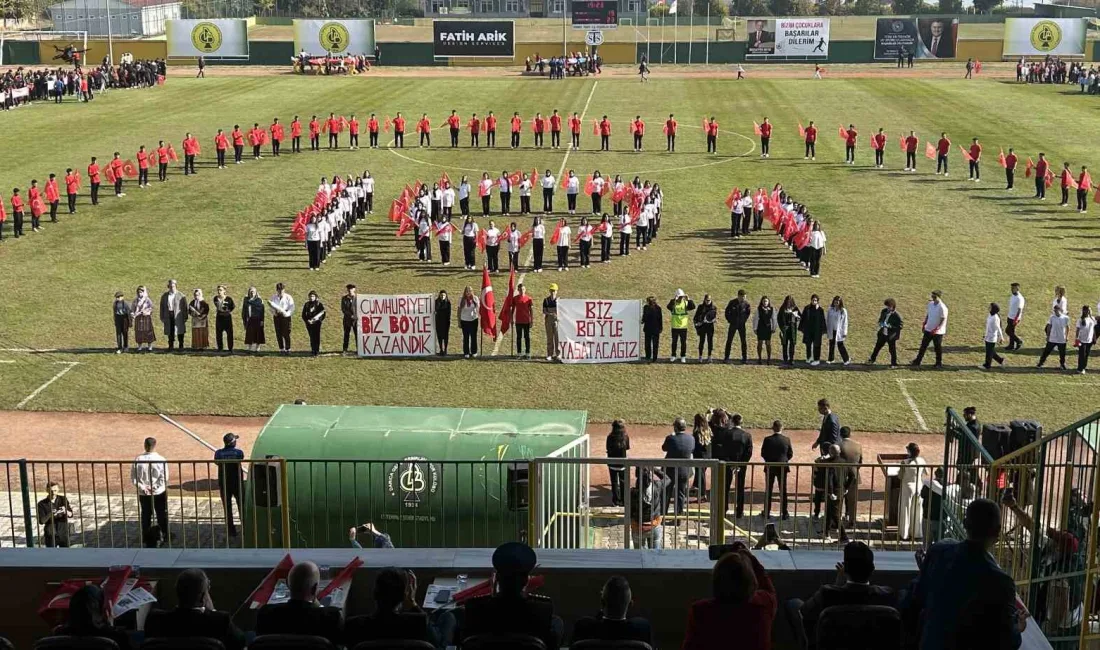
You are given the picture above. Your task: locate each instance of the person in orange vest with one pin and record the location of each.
(93, 179)
(399, 131)
(1067, 183)
(1010, 169)
(34, 196)
(975, 159)
(850, 144)
(490, 130)
(639, 131)
(942, 147)
(517, 123)
(878, 143)
(372, 131)
(116, 169)
(314, 134)
(538, 126)
(575, 130)
(353, 132)
(17, 212)
(424, 126)
(712, 135)
(811, 141)
(605, 134)
(555, 130)
(221, 143)
(454, 125)
(911, 152)
(1041, 169)
(295, 135)
(53, 197)
(277, 134)
(475, 131)
(256, 139)
(238, 143)
(190, 150)
(1084, 184)
(765, 138)
(143, 167)
(72, 183)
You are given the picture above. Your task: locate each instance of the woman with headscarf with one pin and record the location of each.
(142, 310)
(618, 443)
(469, 311)
(313, 314)
(199, 310)
(89, 617)
(764, 324)
(701, 432)
(813, 328)
(789, 320)
(836, 325)
(252, 313)
(910, 509)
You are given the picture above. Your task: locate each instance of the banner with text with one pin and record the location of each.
(788, 38)
(396, 326)
(921, 38)
(1042, 36)
(351, 37)
(479, 38)
(222, 38)
(599, 331)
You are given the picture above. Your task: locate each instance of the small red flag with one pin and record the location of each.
(901, 143)
(977, 67)
(525, 237)
(801, 130)
(444, 180)
(481, 238)
(1096, 199)
(488, 305)
(129, 169)
(734, 195)
(1027, 168)
(1001, 159)
(172, 155)
(843, 134)
(589, 186)
(756, 129)
(386, 126)
(407, 224)
(556, 235)
(342, 578)
(1049, 178)
(595, 127)
(507, 308)
(929, 151)
(965, 153)
(262, 593)
(395, 211)
(515, 177)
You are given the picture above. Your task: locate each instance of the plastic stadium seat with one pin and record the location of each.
(859, 627)
(183, 643)
(290, 642)
(503, 642)
(75, 643)
(5, 644)
(395, 644)
(620, 644)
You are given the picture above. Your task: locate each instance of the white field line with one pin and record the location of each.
(69, 365)
(912, 404)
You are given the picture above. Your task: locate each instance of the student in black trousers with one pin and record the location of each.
(313, 314)
(69, 194)
(605, 238)
(123, 317)
(538, 244)
(223, 319)
(652, 324)
(469, 242)
(547, 193)
(348, 311)
(442, 323)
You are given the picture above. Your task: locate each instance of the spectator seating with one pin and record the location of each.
(598, 644)
(183, 643)
(75, 643)
(859, 627)
(503, 642)
(290, 642)
(394, 644)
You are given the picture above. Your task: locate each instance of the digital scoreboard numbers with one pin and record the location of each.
(595, 14)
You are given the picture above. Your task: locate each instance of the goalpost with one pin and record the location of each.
(73, 37)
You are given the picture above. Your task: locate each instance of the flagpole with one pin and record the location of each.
(691, 28)
(708, 32)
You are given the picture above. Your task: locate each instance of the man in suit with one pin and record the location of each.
(173, 315)
(398, 616)
(301, 614)
(853, 587)
(679, 444)
(850, 452)
(733, 446)
(939, 38)
(194, 615)
(829, 434)
(759, 37)
(737, 315)
(510, 610)
(776, 448)
(613, 624)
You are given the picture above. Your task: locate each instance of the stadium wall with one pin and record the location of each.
(97, 49)
(21, 53)
(982, 50)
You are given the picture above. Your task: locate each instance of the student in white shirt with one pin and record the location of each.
(424, 237)
(572, 188)
(448, 201)
(606, 235)
(513, 246)
(624, 233)
(469, 311)
(817, 249)
(485, 190)
(584, 241)
(368, 189)
(464, 196)
(1057, 332)
(282, 308)
(598, 184)
(1060, 300)
(469, 242)
(746, 212)
(436, 202)
(564, 233)
(548, 193)
(504, 184)
(617, 188)
(993, 336)
(492, 247)
(836, 328)
(758, 211)
(538, 243)
(443, 230)
(149, 475)
(525, 195)
(313, 244)
(1086, 336)
(935, 326)
(737, 210)
(1016, 305)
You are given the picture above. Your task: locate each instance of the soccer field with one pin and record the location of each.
(890, 234)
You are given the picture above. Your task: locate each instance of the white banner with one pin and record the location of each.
(19, 93)
(317, 37)
(396, 326)
(787, 37)
(599, 331)
(1043, 36)
(222, 38)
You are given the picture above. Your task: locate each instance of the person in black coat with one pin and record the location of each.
(700, 431)
(652, 324)
(776, 448)
(87, 617)
(789, 321)
(301, 614)
(442, 323)
(705, 316)
(853, 587)
(738, 312)
(889, 331)
(813, 328)
(510, 610)
(612, 623)
(618, 443)
(679, 445)
(194, 615)
(398, 617)
(732, 444)
(313, 314)
(829, 434)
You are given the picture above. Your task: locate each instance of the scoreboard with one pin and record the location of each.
(595, 14)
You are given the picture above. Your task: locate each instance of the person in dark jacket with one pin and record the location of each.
(679, 445)
(733, 444)
(813, 329)
(652, 324)
(829, 434)
(349, 309)
(705, 316)
(700, 431)
(853, 587)
(301, 614)
(313, 314)
(194, 615)
(54, 513)
(764, 324)
(442, 323)
(889, 331)
(397, 616)
(789, 321)
(613, 624)
(510, 609)
(776, 448)
(618, 443)
(738, 312)
(88, 616)
(851, 452)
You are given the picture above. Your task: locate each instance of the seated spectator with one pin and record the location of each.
(612, 624)
(743, 607)
(377, 538)
(194, 614)
(510, 610)
(301, 614)
(961, 584)
(397, 615)
(853, 587)
(88, 616)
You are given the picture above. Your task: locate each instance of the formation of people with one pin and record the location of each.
(80, 84)
(790, 220)
(336, 208)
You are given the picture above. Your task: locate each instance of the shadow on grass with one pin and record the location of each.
(757, 255)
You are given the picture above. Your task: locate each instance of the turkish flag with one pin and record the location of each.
(341, 124)
(1096, 199)
(929, 151)
(1072, 182)
(507, 308)
(1030, 166)
(1001, 159)
(619, 194)
(589, 186)
(488, 305)
(801, 130)
(525, 237)
(386, 125)
(481, 237)
(734, 196)
(965, 153)
(1049, 178)
(129, 170)
(482, 190)
(977, 67)
(407, 224)
(172, 155)
(109, 174)
(595, 127)
(395, 211)
(556, 235)
(444, 180)
(843, 134)
(342, 578)
(515, 177)
(901, 143)
(262, 593)
(756, 129)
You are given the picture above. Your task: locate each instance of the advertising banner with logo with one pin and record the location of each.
(222, 38)
(411, 483)
(923, 38)
(481, 38)
(348, 37)
(788, 38)
(396, 326)
(1042, 36)
(599, 331)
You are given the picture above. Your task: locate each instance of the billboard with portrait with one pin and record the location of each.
(923, 38)
(788, 38)
(1043, 36)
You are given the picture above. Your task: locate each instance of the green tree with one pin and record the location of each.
(832, 8)
(986, 5)
(951, 6)
(16, 9)
(750, 8)
(867, 8)
(903, 7)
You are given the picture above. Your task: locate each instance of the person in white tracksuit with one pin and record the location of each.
(910, 510)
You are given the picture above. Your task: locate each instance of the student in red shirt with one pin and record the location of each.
(638, 126)
(1042, 168)
(399, 131)
(1010, 169)
(3, 218)
(942, 147)
(143, 166)
(221, 143)
(743, 600)
(238, 143)
(1084, 184)
(517, 123)
(277, 135)
(1066, 184)
(475, 131)
(116, 169)
(333, 126)
(524, 310)
(190, 150)
(490, 130)
(256, 139)
(314, 134)
(34, 196)
(539, 127)
(975, 158)
(295, 135)
(93, 178)
(670, 133)
(53, 197)
(878, 143)
(72, 184)
(372, 131)
(605, 134)
(575, 130)
(911, 152)
(850, 144)
(765, 138)
(555, 129)
(712, 135)
(811, 142)
(17, 212)
(424, 126)
(454, 124)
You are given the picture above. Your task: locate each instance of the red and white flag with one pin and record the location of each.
(966, 154)
(801, 130)
(929, 151)
(508, 307)
(262, 593)
(843, 134)
(756, 129)
(1001, 159)
(488, 305)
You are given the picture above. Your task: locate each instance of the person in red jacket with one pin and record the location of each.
(72, 185)
(911, 152)
(353, 132)
(295, 135)
(314, 134)
(942, 147)
(638, 127)
(333, 125)
(850, 144)
(399, 131)
(1042, 168)
(53, 197)
(116, 169)
(975, 159)
(17, 212)
(1084, 184)
(221, 144)
(190, 150)
(605, 134)
(765, 138)
(238, 143)
(93, 179)
(490, 130)
(555, 130)
(372, 131)
(712, 135)
(475, 131)
(517, 124)
(277, 134)
(34, 197)
(143, 166)
(1010, 169)
(878, 143)
(3, 218)
(454, 125)
(538, 125)
(1067, 184)
(811, 141)
(424, 127)
(670, 134)
(523, 315)
(743, 599)
(256, 139)
(575, 130)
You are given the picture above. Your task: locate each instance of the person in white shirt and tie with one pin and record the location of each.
(993, 336)
(935, 326)
(548, 192)
(149, 475)
(1057, 334)
(282, 307)
(1086, 336)
(1016, 305)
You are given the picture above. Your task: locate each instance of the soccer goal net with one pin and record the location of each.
(68, 46)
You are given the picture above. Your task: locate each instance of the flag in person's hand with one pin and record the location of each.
(1027, 168)
(508, 307)
(843, 133)
(488, 305)
(801, 130)
(481, 239)
(929, 151)
(756, 129)
(966, 154)
(1001, 159)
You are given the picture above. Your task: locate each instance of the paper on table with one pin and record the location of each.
(133, 599)
(334, 599)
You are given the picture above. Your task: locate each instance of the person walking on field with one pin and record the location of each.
(993, 336)
(935, 326)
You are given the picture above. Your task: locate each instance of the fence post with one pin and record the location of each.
(534, 488)
(284, 492)
(718, 497)
(24, 489)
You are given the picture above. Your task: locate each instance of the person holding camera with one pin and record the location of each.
(378, 539)
(53, 513)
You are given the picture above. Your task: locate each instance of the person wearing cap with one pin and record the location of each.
(935, 326)
(680, 306)
(509, 609)
(550, 320)
(124, 316)
(229, 460)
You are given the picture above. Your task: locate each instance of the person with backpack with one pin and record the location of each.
(648, 503)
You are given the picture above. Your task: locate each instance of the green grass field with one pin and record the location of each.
(890, 234)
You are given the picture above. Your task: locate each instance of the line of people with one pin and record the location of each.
(791, 221)
(336, 209)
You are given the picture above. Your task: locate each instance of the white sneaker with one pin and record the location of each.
(549, 358)
(683, 359)
(815, 363)
(848, 362)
